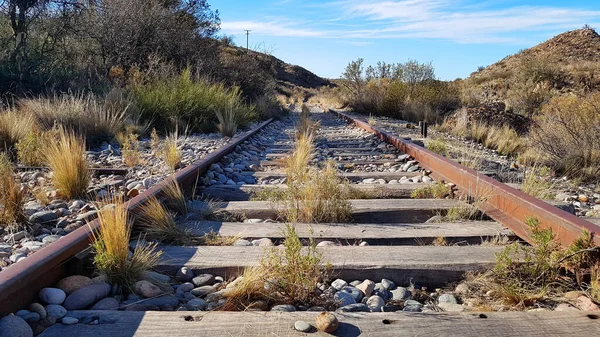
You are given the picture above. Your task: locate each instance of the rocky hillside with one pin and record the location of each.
(289, 78)
(567, 63)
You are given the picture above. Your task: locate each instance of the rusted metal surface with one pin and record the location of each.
(20, 282)
(501, 202)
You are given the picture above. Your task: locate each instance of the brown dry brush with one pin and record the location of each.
(12, 195)
(537, 274)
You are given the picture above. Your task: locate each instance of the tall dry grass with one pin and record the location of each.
(111, 244)
(12, 196)
(86, 115)
(170, 153)
(14, 126)
(157, 223)
(67, 160)
(228, 121)
(175, 200)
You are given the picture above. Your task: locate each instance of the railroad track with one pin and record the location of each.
(388, 237)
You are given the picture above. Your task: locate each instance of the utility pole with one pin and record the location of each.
(247, 37)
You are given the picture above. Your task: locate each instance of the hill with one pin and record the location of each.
(567, 63)
(290, 80)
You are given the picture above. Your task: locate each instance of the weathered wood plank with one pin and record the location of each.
(249, 324)
(471, 232)
(372, 191)
(351, 176)
(367, 210)
(431, 266)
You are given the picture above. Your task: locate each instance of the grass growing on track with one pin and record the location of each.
(111, 244)
(175, 200)
(436, 191)
(67, 160)
(285, 276)
(159, 224)
(537, 275)
(11, 195)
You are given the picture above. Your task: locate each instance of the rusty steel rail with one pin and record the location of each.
(20, 282)
(501, 202)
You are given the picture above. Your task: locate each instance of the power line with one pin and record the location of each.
(247, 37)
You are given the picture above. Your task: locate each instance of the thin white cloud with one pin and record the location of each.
(455, 20)
(272, 28)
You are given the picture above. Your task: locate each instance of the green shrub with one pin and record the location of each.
(186, 102)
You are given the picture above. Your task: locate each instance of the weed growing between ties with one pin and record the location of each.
(175, 200)
(66, 158)
(536, 183)
(285, 276)
(111, 244)
(435, 191)
(159, 224)
(537, 275)
(12, 195)
(307, 127)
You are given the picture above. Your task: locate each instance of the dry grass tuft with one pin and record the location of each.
(111, 244)
(438, 146)
(12, 195)
(321, 198)
(175, 200)
(227, 121)
(130, 150)
(66, 158)
(536, 183)
(440, 241)
(435, 191)
(14, 126)
(307, 127)
(170, 153)
(214, 239)
(297, 165)
(158, 224)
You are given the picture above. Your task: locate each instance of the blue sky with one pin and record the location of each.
(457, 36)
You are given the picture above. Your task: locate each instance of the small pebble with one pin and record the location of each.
(302, 326)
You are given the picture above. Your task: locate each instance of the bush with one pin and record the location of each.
(567, 131)
(186, 102)
(66, 158)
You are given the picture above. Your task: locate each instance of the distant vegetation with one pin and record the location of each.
(541, 105)
(100, 68)
(405, 90)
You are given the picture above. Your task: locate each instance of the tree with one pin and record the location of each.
(414, 72)
(353, 74)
